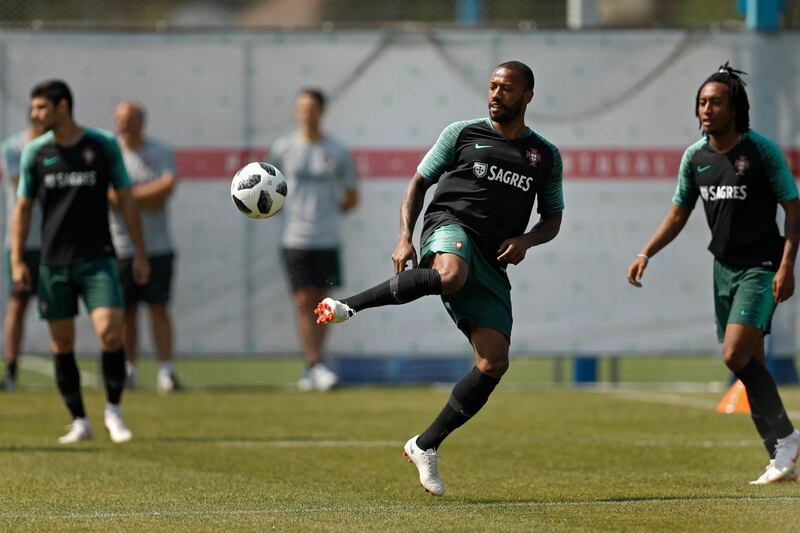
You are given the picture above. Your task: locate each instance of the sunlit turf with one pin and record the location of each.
(250, 459)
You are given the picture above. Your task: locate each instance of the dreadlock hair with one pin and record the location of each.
(730, 77)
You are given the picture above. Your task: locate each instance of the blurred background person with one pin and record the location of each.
(321, 179)
(18, 298)
(151, 166)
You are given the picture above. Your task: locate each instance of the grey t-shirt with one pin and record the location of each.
(148, 163)
(317, 175)
(10, 152)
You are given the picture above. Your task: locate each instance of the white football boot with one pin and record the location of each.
(330, 311)
(784, 466)
(115, 424)
(131, 376)
(426, 463)
(305, 383)
(763, 479)
(79, 430)
(322, 377)
(166, 382)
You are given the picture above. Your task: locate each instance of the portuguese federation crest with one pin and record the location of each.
(479, 169)
(533, 157)
(741, 164)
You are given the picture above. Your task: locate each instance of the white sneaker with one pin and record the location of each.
(166, 382)
(79, 430)
(322, 377)
(785, 462)
(763, 479)
(131, 376)
(305, 383)
(425, 461)
(330, 311)
(117, 429)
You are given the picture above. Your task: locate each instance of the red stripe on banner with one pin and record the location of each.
(581, 163)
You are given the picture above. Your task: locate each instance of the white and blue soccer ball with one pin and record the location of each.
(258, 190)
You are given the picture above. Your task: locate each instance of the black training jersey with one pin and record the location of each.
(741, 189)
(71, 183)
(487, 184)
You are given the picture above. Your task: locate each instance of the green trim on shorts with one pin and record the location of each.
(96, 281)
(742, 296)
(485, 299)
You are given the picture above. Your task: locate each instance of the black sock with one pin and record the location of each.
(405, 287)
(467, 398)
(762, 426)
(114, 375)
(68, 381)
(761, 388)
(11, 370)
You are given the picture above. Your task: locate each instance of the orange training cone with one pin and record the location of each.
(735, 400)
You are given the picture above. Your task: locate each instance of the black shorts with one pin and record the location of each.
(312, 268)
(157, 291)
(31, 258)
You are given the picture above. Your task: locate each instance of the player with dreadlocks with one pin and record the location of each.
(741, 177)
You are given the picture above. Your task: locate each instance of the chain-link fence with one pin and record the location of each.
(522, 14)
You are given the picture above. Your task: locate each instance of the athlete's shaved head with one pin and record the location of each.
(524, 71)
(129, 121)
(739, 104)
(135, 109)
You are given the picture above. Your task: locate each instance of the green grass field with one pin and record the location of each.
(536, 458)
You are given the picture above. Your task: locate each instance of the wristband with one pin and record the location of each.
(645, 257)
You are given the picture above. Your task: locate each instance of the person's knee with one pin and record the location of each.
(495, 365)
(735, 358)
(61, 342)
(109, 333)
(454, 276)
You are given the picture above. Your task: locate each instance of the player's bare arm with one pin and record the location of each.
(20, 226)
(514, 250)
(130, 212)
(410, 208)
(350, 200)
(670, 227)
(154, 194)
(783, 283)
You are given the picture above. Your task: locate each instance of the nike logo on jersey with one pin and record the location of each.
(703, 168)
(50, 161)
(482, 146)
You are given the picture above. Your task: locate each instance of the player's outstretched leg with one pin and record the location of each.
(405, 287)
(426, 462)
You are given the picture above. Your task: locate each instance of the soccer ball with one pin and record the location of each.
(258, 190)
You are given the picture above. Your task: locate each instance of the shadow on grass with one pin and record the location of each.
(524, 502)
(210, 439)
(16, 448)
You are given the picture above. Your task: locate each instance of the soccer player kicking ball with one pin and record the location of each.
(741, 177)
(488, 173)
(69, 170)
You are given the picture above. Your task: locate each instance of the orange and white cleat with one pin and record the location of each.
(426, 463)
(330, 311)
